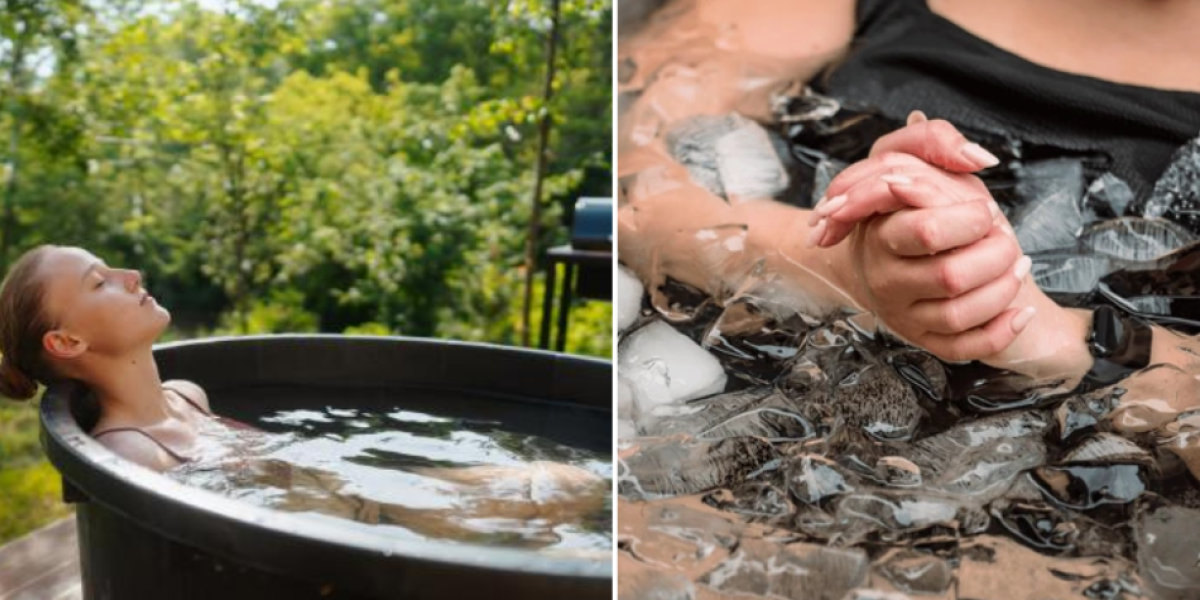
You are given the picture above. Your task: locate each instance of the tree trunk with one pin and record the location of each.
(536, 204)
(14, 148)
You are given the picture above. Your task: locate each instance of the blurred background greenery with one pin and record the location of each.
(297, 165)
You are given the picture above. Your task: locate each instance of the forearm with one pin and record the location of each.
(1053, 345)
(670, 227)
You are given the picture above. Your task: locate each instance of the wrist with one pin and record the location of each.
(1053, 345)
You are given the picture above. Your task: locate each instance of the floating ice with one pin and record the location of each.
(626, 430)
(693, 143)
(1176, 195)
(1051, 218)
(1107, 197)
(1134, 239)
(689, 371)
(799, 571)
(678, 465)
(624, 397)
(629, 298)
(1061, 273)
(748, 165)
(730, 156)
(1168, 542)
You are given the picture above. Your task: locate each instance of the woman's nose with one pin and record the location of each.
(133, 280)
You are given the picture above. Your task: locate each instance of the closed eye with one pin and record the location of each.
(98, 285)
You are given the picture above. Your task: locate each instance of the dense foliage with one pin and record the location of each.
(306, 165)
(300, 165)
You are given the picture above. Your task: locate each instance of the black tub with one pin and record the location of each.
(142, 535)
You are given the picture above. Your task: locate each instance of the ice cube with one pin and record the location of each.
(626, 430)
(748, 164)
(688, 370)
(629, 298)
(624, 397)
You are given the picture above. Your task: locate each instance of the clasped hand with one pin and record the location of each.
(934, 257)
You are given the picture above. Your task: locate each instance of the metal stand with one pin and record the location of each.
(571, 259)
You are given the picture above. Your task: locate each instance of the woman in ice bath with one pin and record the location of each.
(70, 316)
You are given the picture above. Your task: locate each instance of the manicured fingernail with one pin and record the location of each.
(1021, 321)
(916, 116)
(816, 233)
(831, 206)
(1022, 269)
(976, 154)
(994, 209)
(814, 216)
(896, 179)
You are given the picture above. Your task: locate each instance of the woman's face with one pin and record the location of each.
(104, 307)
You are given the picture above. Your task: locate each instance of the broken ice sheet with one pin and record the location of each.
(996, 568)
(1168, 549)
(1134, 239)
(678, 534)
(678, 465)
(1063, 273)
(916, 572)
(796, 571)
(1107, 197)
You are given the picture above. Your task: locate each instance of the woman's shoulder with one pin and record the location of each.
(137, 446)
(190, 391)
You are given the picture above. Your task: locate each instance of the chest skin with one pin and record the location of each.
(1148, 43)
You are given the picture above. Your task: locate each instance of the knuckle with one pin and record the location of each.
(951, 317)
(950, 279)
(895, 159)
(942, 129)
(929, 235)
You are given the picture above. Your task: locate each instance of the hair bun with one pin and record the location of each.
(15, 384)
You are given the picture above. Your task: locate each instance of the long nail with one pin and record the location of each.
(1022, 269)
(994, 209)
(976, 154)
(915, 117)
(896, 179)
(816, 234)
(831, 206)
(1021, 321)
(814, 215)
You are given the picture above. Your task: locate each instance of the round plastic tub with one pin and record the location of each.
(142, 535)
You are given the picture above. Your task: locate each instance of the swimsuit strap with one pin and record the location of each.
(188, 400)
(173, 454)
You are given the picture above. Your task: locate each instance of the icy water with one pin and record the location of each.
(771, 451)
(420, 466)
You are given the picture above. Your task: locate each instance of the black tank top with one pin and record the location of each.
(905, 57)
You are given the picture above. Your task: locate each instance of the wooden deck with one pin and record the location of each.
(43, 565)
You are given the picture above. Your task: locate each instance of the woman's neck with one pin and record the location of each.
(128, 387)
